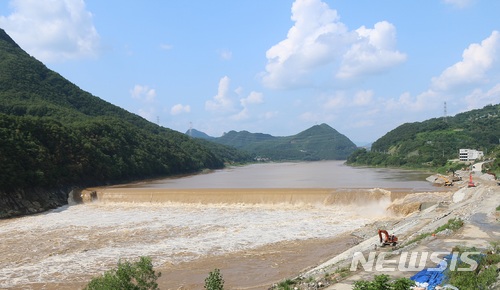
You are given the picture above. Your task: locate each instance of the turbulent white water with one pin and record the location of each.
(77, 242)
(74, 242)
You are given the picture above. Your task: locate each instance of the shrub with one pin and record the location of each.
(382, 282)
(128, 276)
(214, 281)
(481, 278)
(287, 284)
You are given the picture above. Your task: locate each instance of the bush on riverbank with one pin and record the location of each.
(381, 282)
(134, 276)
(214, 281)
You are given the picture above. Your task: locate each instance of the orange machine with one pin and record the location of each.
(388, 239)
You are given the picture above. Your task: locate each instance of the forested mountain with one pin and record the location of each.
(198, 134)
(55, 136)
(320, 142)
(433, 142)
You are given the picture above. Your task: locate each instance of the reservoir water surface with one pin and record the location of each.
(322, 174)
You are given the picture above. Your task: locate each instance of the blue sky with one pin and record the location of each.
(277, 67)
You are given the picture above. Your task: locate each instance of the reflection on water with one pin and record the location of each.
(324, 174)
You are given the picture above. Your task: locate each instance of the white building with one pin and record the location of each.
(470, 154)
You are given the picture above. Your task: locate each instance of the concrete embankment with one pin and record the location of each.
(476, 206)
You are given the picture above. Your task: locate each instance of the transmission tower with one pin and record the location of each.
(445, 113)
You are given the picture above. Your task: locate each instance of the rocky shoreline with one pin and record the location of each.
(26, 202)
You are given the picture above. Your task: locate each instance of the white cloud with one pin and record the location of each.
(459, 3)
(478, 99)
(463, 86)
(252, 98)
(143, 93)
(374, 52)
(242, 115)
(52, 30)
(427, 100)
(477, 60)
(362, 98)
(343, 99)
(222, 101)
(337, 101)
(308, 44)
(179, 109)
(319, 40)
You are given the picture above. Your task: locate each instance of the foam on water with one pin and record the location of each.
(76, 242)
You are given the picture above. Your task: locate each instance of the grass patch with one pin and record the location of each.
(286, 285)
(418, 238)
(452, 224)
(343, 272)
(498, 208)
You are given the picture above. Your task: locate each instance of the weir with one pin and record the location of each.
(325, 196)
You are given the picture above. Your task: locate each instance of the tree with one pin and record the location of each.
(214, 281)
(128, 276)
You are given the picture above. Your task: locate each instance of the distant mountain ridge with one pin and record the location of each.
(198, 134)
(435, 141)
(320, 142)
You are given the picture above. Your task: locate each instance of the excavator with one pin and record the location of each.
(388, 240)
(447, 182)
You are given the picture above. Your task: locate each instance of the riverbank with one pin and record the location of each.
(476, 206)
(256, 237)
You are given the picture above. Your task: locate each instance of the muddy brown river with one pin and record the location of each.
(258, 224)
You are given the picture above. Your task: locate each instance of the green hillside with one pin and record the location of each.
(242, 139)
(320, 142)
(435, 141)
(55, 136)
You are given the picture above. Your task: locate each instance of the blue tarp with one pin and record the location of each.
(434, 277)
